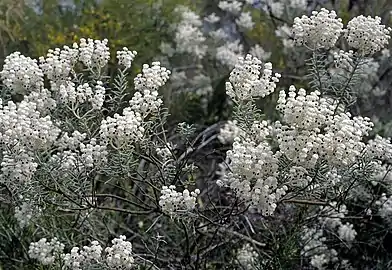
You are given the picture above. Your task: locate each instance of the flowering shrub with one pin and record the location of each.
(89, 161)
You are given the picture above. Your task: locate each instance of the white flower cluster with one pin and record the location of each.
(94, 53)
(232, 6)
(315, 248)
(120, 255)
(245, 21)
(68, 93)
(275, 7)
(23, 131)
(247, 257)
(175, 203)
(188, 37)
(70, 142)
(128, 127)
(259, 52)
(252, 175)
(93, 154)
(125, 57)
(212, 18)
(21, 74)
(123, 129)
(301, 140)
(367, 34)
(314, 240)
(58, 63)
(146, 99)
(25, 213)
(385, 204)
(18, 166)
(229, 132)
(245, 81)
(311, 132)
(379, 148)
(22, 124)
(331, 217)
(45, 252)
(43, 100)
(165, 153)
(228, 53)
(298, 4)
(344, 60)
(321, 30)
(79, 259)
(117, 256)
(284, 32)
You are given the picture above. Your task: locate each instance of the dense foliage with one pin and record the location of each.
(207, 157)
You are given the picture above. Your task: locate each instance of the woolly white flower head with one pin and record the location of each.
(252, 175)
(45, 252)
(79, 259)
(177, 203)
(228, 53)
(247, 257)
(94, 53)
(188, 37)
(120, 255)
(125, 57)
(58, 63)
(367, 34)
(245, 81)
(232, 6)
(321, 30)
(21, 74)
(245, 21)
